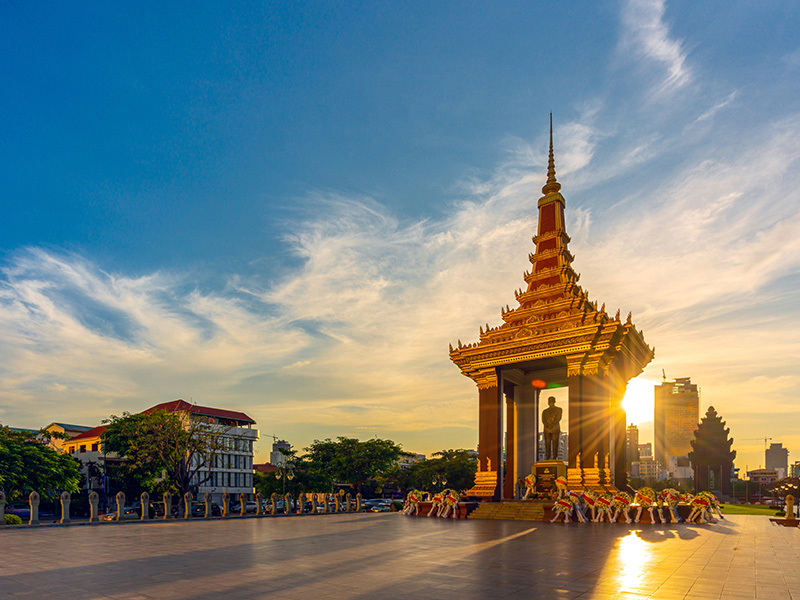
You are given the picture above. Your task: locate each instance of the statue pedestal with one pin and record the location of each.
(546, 472)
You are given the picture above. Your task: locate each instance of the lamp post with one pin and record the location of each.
(284, 472)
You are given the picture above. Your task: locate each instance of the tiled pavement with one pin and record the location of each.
(385, 556)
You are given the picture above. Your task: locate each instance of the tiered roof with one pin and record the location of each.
(554, 316)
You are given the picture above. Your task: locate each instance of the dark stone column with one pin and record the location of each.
(511, 444)
(620, 464)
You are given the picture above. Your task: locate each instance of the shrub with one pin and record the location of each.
(12, 520)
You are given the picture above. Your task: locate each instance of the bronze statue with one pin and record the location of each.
(551, 419)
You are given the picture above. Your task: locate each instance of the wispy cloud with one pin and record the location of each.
(717, 107)
(365, 321)
(96, 342)
(648, 35)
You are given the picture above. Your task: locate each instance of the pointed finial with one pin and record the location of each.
(552, 185)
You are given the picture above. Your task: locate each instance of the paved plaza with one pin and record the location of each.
(387, 556)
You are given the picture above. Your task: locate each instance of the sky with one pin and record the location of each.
(291, 209)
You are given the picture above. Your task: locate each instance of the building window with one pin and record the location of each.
(94, 447)
(71, 450)
(83, 448)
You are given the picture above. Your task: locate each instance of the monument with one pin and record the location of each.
(555, 337)
(551, 420)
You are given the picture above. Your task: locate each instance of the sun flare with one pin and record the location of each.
(639, 401)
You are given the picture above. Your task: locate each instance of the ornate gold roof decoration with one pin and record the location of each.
(554, 316)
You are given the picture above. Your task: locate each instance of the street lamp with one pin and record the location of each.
(284, 472)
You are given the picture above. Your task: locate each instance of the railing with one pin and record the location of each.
(320, 503)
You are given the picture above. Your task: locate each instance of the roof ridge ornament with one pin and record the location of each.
(552, 185)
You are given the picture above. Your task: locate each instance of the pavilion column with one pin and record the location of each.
(576, 423)
(510, 472)
(589, 427)
(527, 423)
(489, 431)
(618, 437)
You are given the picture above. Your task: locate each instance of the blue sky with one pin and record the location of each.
(292, 209)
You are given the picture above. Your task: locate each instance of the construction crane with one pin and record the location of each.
(766, 439)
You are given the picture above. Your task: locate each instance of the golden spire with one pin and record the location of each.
(552, 185)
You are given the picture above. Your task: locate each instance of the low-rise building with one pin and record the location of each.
(230, 469)
(64, 429)
(763, 475)
(680, 469)
(406, 460)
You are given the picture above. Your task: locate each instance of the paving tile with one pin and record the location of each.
(392, 556)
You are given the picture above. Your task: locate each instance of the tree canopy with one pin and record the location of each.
(348, 460)
(27, 465)
(711, 452)
(305, 477)
(448, 468)
(161, 441)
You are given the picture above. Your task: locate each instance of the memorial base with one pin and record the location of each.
(546, 472)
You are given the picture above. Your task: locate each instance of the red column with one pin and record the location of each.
(489, 427)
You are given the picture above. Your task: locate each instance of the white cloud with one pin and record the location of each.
(76, 336)
(648, 35)
(354, 341)
(717, 107)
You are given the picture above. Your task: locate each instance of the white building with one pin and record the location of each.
(279, 454)
(231, 469)
(406, 460)
(679, 468)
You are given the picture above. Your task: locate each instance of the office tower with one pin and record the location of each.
(677, 414)
(777, 457)
(632, 445)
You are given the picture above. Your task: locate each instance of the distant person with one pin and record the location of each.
(551, 419)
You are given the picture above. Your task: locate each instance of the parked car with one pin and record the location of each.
(250, 507)
(129, 513)
(199, 510)
(158, 508)
(366, 505)
(385, 506)
(23, 511)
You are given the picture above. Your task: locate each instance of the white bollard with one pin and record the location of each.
(65, 502)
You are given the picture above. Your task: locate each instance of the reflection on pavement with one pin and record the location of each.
(633, 555)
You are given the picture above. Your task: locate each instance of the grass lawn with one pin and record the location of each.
(751, 509)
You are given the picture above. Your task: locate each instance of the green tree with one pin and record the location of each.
(28, 465)
(711, 453)
(160, 443)
(305, 478)
(449, 468)
(348, 460)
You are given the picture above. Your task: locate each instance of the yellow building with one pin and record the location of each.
(65, 429)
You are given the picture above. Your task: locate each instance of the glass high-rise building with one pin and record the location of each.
(677, 414)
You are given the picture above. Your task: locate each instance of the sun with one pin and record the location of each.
(639, 401)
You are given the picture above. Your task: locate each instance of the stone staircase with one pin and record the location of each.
(511, 510)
